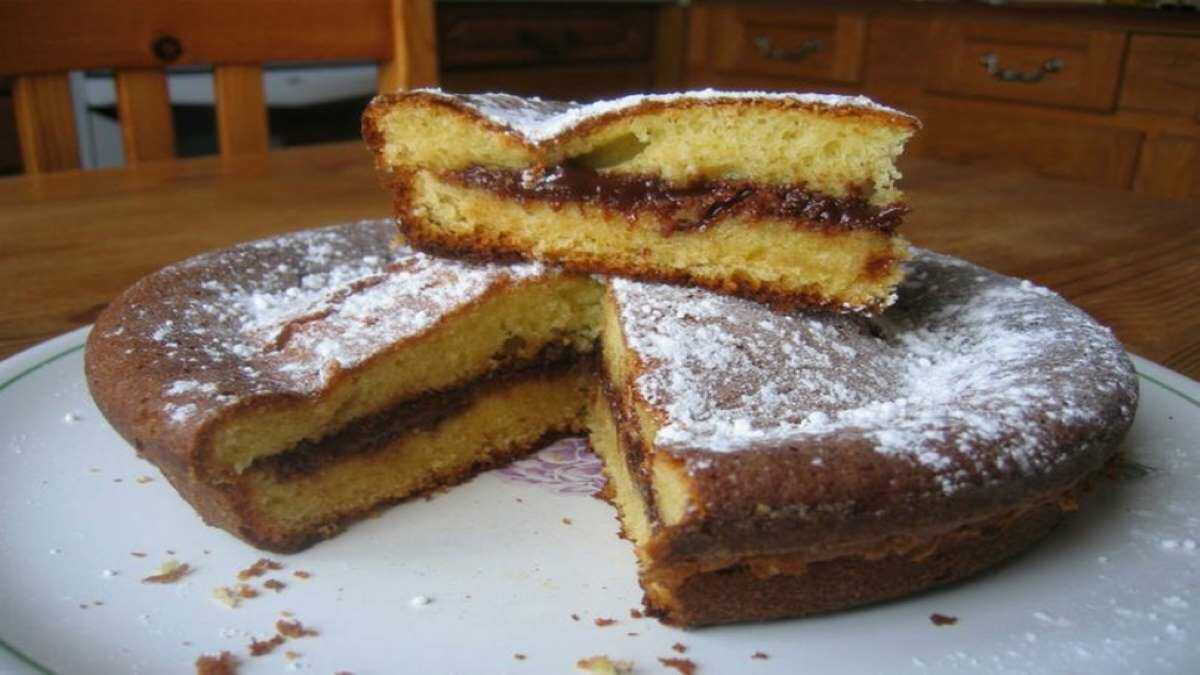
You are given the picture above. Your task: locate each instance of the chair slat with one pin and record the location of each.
(46, 122)
(145, 110)
(414, 52)
(241, 110)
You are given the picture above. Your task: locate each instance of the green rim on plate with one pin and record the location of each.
(27, 660)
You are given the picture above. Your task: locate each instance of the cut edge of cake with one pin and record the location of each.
(786, 198)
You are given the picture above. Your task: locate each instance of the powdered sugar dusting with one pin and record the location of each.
(970, 373)
(296, 310)
(539, 120)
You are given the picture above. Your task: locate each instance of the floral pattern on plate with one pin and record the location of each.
(567, 467)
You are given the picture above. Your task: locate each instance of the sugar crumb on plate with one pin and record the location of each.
(293, 629)
(221, 664)
(168, 573)
(684, 666)
(602, 665)
(263, 647)
(259, 568)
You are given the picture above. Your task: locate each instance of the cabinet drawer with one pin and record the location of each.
(804, 44)
(1048, 65)
(1162, 74)
(496, 35)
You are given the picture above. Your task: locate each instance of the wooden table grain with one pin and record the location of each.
(70, 242)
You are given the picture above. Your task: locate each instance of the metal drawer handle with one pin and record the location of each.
(991, 63)
(770, 51)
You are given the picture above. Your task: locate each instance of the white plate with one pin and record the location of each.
(1117, 589)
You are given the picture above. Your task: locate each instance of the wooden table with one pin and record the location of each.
(70, 242)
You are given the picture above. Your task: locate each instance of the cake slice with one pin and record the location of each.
(291, 385)
(786, 198)
(768, 465)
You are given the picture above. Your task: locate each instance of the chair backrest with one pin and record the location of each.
(138, 39)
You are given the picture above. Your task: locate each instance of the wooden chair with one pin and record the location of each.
(138, 39)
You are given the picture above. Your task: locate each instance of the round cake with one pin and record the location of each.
(764, 464)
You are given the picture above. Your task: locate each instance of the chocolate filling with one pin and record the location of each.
(374, 432)
(692, 206)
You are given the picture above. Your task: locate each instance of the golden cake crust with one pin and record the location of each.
(518, 117)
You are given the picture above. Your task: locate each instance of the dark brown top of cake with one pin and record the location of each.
(974, 388)
(279, 318)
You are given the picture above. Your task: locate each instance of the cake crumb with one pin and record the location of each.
(293, 629)
(632, 634)
(566, 521)
(943, 619)
(574, 617)
(679, 647)
(72, 417)
(137, 554)
(275, 585)
(602, 665)
(259, 568)
(290, 655)
(761, 656)
(420, 600)
(260, 648)
(684, 666)
(518, 656)
(144, 479)
(604, 622)
(636, 613)
(222, 664)
(168, 573)
(232, 597)
(302, 574)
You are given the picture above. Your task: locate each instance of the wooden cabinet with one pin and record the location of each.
(1014, 61)
(482, 36)
(559, 50)
(1164, 75)
(817, 45)
(1105, 96)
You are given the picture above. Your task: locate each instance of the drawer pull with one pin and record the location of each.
(770, 51)
(991, 63)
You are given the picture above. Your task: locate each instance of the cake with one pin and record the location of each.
(763, 463)
(289, 386)
(769, 465)
(785, 198)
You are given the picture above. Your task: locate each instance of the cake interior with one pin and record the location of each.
(505, 330)
(768, 257)
(448, 440)
(834, 152)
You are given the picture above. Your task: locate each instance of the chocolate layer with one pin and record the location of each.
(375, 432)
(691, 206)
